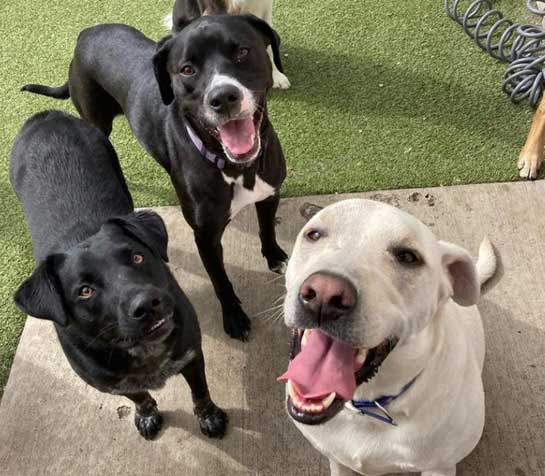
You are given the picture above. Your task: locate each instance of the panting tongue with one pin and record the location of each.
(238, 135)
(323, 366)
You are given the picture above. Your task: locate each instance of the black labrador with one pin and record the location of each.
(123, 322)
(196, 101)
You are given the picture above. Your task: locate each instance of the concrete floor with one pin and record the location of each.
(53, 424)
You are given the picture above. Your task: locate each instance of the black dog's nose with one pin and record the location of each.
(224, 98)
(327, 297)
(144, 304)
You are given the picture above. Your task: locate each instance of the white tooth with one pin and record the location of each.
(361, 356)
(306, 335)
(326, 402)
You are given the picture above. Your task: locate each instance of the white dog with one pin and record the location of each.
(385, 375)
(189, 9)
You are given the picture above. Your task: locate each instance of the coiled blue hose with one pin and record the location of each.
(520, 45)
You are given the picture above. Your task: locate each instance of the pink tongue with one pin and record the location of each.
(238, 135)
(323, 366)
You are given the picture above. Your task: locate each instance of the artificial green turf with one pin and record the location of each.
(385, 94)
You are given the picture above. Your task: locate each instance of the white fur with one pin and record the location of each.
(248, 103)
(261, 9)
(440, 419)
(243, 196)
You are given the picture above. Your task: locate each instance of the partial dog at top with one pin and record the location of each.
(196, 101)
(123, 322)
(385, 373)
(185, 11)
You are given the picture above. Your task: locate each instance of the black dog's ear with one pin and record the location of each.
(271, 37)
(40, 295)
(146, 227)
(162, 75)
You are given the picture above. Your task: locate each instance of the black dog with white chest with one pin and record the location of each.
(196, 101)
(123, 322)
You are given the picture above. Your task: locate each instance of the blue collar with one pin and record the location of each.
(217, 160)
(361, 406)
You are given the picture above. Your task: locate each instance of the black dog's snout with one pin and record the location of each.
(225, 98)
(144, 304)
(327, 297)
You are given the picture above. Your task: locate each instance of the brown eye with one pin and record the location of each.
(407, 257)
(242, 53)
(86, 292)
(137, 258)
(314, 235)
(187, 71)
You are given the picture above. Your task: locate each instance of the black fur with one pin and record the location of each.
(117, 70)
(101, 274)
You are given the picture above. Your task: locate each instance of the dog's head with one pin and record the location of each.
(363, 277)
(113, 288)
(218, 72)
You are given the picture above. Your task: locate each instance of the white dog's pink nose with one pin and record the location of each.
(327, 297)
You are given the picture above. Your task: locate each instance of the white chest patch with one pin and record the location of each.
(243, 196)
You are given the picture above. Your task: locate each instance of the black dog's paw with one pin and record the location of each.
(213, 421)
(149, 425)
(237, 324)
(277, 260)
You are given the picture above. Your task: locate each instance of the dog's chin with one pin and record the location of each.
(320, 410)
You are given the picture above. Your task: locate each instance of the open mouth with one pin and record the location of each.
(324, 372)
(240, 138)
(160, 328)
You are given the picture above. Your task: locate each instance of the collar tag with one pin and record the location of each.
(356, 407)
(361, 406)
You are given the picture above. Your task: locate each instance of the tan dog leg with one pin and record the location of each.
(531, 155)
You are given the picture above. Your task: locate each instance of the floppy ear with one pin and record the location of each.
(162, 75)
(146, 227)
(462, 274)
(270, 36)
(40, 295)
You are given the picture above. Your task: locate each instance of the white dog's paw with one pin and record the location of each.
(529, 163)
(280, 80)
(167, 21)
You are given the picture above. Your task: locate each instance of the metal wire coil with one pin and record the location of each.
(521, 45)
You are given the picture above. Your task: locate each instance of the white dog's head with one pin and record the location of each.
(365, 276)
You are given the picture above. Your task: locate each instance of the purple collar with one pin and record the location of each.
(217, 160)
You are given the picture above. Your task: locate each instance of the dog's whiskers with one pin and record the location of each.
(108, 328)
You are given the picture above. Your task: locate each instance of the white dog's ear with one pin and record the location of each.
(462, 274)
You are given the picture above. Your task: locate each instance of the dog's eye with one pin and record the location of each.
(241, 53)
(187, 70)
(314, 235)
(137, 258)
(408, 257)
(86, 292)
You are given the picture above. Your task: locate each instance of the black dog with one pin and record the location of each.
(205, 122)
(122, 320)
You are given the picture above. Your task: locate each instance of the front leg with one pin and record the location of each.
(276, 258)
(147, 418)
(235, 321)
(212, 419)
(531, 155)
(280, 80)
(337, 469)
